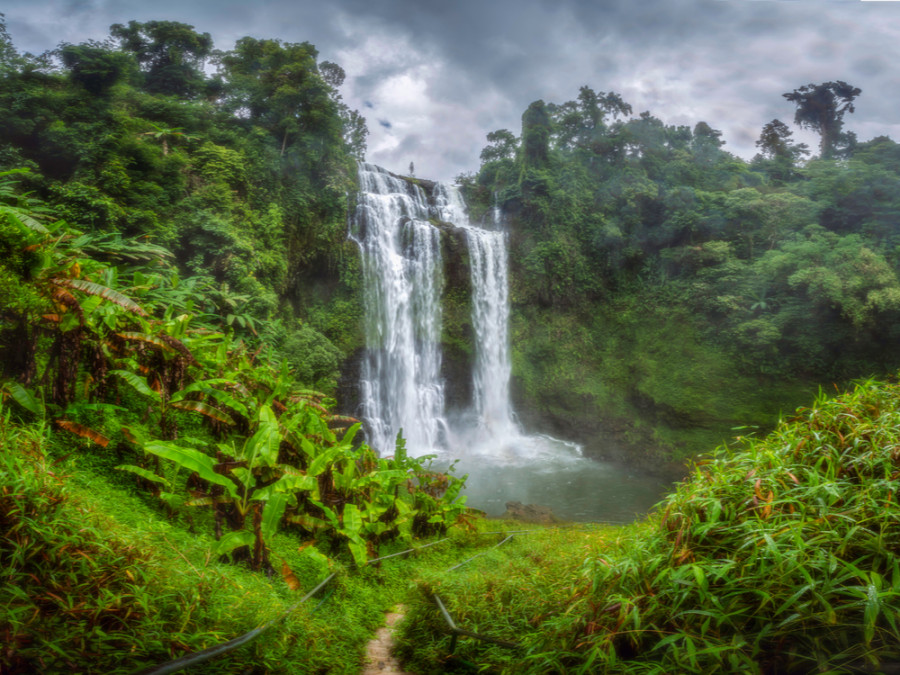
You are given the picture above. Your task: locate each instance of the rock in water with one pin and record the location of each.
(530, 513)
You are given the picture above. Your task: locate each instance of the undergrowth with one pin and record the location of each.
(98, 578)
(782, 557)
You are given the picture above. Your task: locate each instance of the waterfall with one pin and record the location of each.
(402, 269)
(488, 267)
(395, 225)
(402, 273)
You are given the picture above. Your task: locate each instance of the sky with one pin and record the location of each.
(433, 78)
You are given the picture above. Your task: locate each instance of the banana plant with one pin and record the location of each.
(243, 482)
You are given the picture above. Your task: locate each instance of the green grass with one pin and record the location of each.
(783, 557)
(780, 557)
(100, 579)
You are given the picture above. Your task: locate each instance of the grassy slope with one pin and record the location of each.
(99, 580)
(781, 557)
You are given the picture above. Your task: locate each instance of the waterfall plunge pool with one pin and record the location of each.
(547, 472)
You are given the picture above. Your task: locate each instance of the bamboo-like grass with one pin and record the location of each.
(780, 557)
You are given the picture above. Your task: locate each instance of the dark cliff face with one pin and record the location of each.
(458, 339)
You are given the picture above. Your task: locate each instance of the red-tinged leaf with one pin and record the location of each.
(83, 431)
(65, 299)
(130, 437)
(179, 347)
(309, 393)
(204, 409)
(343, 420)
(322, 409)
(289, 577)
(146, 339)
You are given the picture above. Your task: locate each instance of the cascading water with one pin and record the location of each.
(401, 387)
(495, 422)
(401, 257)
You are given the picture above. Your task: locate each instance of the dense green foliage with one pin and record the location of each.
(112, 357)
(783, 556)
(141, 377)
(697, 290)
(242, 174)
(98, 580)
(176, 289)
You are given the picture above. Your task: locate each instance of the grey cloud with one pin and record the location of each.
(726, 62)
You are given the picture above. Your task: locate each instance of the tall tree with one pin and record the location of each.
(171, 54)
(94, 66)
(536, 135)
(777, 152)
(821, 107)
(278, 85)
(503, 145)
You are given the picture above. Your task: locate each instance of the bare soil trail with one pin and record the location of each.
(379, 659)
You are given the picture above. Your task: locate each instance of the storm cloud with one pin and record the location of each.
(443, 75)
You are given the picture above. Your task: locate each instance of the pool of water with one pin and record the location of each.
(547, 472)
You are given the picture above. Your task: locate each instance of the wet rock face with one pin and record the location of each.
(347, 394)
(457, 336)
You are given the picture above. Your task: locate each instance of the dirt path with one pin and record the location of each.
(379, 660)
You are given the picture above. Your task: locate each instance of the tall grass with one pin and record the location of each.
(781, 557)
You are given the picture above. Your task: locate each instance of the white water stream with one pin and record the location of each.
(402, 272)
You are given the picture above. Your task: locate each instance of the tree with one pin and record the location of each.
(171, 54)
(775, 142)
(278, 85)
(778, 151)
(94, 66)
(503, 145)
(821, 107)
(536, 135)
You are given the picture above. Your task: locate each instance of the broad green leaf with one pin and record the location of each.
(138, 383)
(351, 434)
(233, 540)
(321, 462)
(453, 491)
(264, 443)
(143, 473)
(272, 512)
(352, 519)
(330, 515)
(293, 482)
(192, 460)
(25, 398)
(358, 551)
